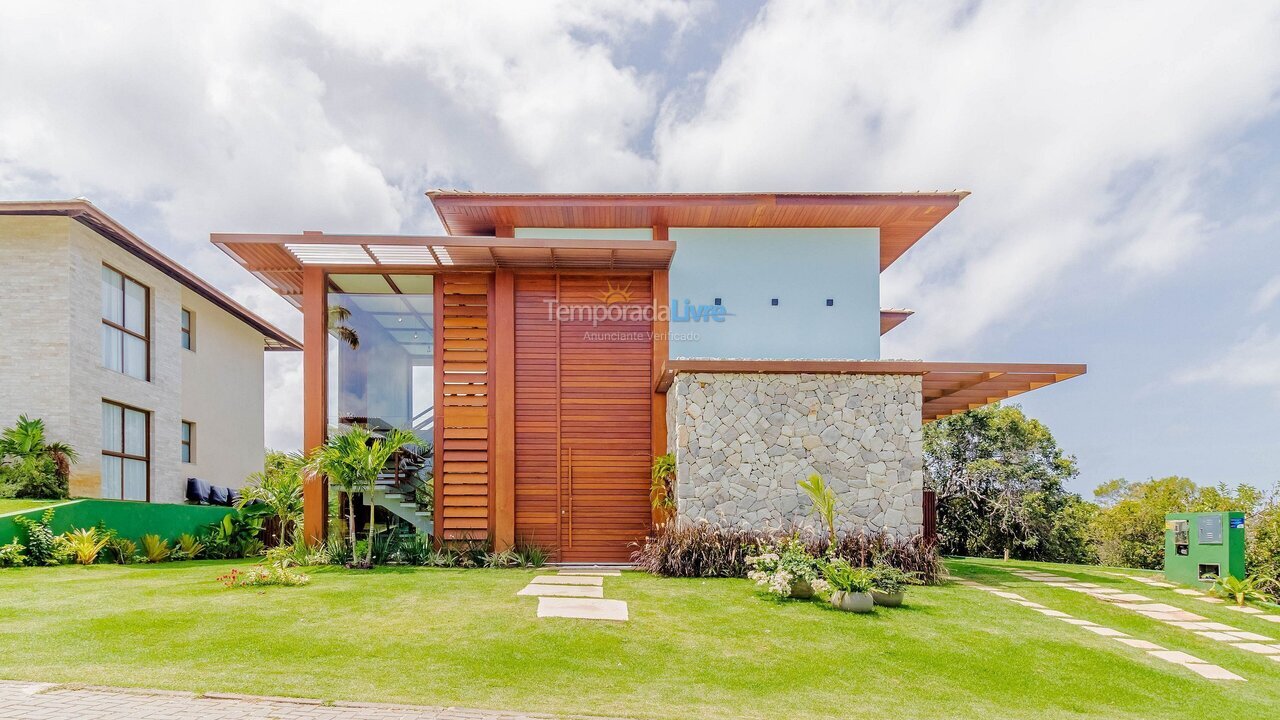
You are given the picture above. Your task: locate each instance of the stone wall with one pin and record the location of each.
(742, 441)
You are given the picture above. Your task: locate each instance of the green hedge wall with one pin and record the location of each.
(128, 518)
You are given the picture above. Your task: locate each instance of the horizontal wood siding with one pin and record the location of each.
(464, 413)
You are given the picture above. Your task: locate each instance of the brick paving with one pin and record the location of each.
(45, 701)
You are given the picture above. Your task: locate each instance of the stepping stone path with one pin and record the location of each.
(576, 593)
(1190, 662)
(1168, 614)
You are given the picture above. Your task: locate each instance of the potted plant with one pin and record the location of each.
(787, 570)
(850, 586)
(889, 585)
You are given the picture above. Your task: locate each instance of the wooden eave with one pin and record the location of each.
(890, 319)
(278, 259)
(95, 219)
(902, 218)
(948, 387)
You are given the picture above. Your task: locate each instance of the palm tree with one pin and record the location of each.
(338, 317)
(24, 444)
(279, 487)
(352, 461)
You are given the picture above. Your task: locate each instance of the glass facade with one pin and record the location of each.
(381, 352)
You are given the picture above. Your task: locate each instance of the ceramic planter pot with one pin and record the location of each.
(853, 601)
(801, 589)
(887, 599)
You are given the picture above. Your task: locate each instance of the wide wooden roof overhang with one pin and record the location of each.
(949, 387)
(278, 259)
(903, 218)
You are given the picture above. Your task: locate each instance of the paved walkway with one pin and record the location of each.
(576, 592)
(45, 701)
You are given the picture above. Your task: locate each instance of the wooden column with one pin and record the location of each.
(315, 342)
(502, 353)
(661, 352)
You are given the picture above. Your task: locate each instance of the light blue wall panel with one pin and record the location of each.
(802, 267)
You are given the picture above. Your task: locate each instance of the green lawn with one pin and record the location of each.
(10, 505)
(693, 648)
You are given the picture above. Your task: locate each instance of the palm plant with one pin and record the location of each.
(279, 488)
(352, 461)
(824, 503)
(1242, 591)
(25, 447)
(661, 488)
(338, 317)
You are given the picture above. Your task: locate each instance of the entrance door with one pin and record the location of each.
(583, 401)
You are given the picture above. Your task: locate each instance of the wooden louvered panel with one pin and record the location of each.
(463, 407)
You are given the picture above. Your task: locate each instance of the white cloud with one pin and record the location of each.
(1081, 128)
(1253, 362)
(1267, 295)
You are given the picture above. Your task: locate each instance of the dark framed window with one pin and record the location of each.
(188, 329)
(126, 452)
(188, 441)
(126, 319)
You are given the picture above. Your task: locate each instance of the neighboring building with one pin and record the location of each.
(551, 345)
(150, 373)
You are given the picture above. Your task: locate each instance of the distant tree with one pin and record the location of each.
(1129, 526)
(32, 466)
(1000, 482)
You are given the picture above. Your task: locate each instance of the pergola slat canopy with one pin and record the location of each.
(278, 259)
(948, 387)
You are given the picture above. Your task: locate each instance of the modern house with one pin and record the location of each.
(552, 345)
(150, 373)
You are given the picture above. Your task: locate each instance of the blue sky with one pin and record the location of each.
(1124, 161)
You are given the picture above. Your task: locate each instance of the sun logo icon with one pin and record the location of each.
(614, 294)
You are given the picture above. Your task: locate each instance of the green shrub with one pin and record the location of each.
(155, 548)
(503, 559)
(12, 555)
(30, 466)
(122, 551)
(189, 547)
(890, 580)
(42, 546)
(845, 577)
(83, 545)
(534, 556)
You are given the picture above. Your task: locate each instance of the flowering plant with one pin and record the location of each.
(264, 575)
(777, 568)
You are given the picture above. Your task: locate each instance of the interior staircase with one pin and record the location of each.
(399, 487)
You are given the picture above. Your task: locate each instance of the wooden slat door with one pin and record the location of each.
(583, 418)
(605, 404)
(462, 407)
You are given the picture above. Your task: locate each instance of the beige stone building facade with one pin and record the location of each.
(151, 374)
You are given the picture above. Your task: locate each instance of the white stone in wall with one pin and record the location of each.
(743, 440)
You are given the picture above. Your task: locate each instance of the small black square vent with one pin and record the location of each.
(773, 301)
(830, 302)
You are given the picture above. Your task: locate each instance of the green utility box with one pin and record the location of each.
(1200, 544)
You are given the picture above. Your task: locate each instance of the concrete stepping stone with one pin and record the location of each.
(1161, 584)
(1258, 648)
(582, 609)
(1213, 600)
(1219, 636)
(1008, 595)
(592, 573)
(1154, 607)
(1185, 625)
(576, 591)
(1104, 631)
(1220, 627)
(1188, 591)
(1028, 603)
(1077, 621)
(1128, 597)
(1271, 618)
(1140, 644)
(1213, 672)
(1051, 613)
(1175, 656)
(567, 580)
(1245, 609)
(1105, 591)
(1251, 636)
(1178, 616)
